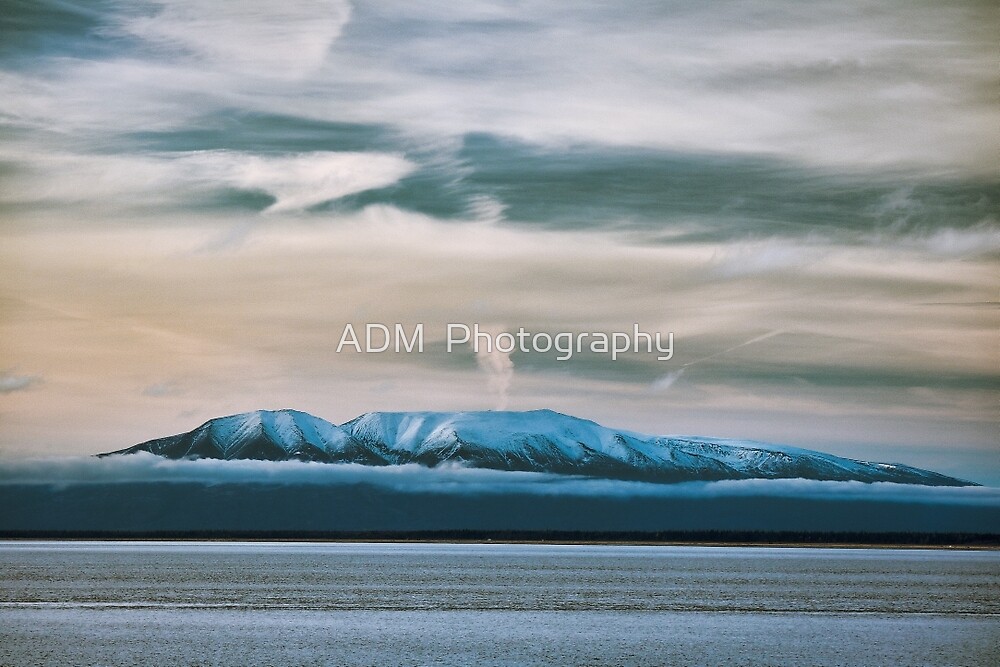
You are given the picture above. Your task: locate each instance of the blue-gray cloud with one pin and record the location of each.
(161, 389)
(456, 480)
(9, 382)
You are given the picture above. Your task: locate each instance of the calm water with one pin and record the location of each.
(138, 603)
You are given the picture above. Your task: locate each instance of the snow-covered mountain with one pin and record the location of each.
(538, 441)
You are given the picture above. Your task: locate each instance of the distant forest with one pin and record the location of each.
(721, 537)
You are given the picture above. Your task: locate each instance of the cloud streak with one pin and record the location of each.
(9, 382)
(294, 182)
(282, 40)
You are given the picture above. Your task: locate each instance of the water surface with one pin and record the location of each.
(123, 603)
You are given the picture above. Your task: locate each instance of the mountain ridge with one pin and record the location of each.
(532, 441)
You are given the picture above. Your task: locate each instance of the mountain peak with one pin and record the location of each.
(541, 440)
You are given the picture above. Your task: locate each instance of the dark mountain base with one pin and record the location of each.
(273, 509)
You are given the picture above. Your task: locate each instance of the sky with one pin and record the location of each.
(197, 197)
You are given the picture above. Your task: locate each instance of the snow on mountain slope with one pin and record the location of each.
(510, 432)
(263, 434)
(538, 441)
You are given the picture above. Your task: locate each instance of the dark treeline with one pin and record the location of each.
(548, 537)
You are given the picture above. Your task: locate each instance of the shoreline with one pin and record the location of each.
(907, 541)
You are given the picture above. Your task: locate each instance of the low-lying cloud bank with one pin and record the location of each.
(141, 494)
(453, 480)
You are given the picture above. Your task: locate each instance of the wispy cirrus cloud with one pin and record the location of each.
(846, 86)
(286, 40)
(293, 182)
